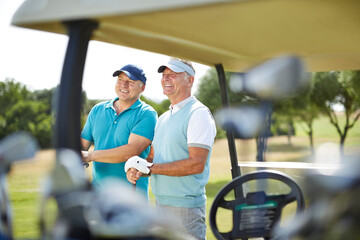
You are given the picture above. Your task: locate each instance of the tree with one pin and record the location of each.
(283, 118)
(33, 117)
(22, 110)
(338, 88)
(208, 92)
(10, 93)
(160, 108)
(305, 111)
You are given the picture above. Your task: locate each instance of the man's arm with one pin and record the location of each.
(135, 146)
(150, 157)
(85, 144)
(195, 164)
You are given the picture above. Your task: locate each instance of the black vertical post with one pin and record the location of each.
(68, 112)
(67, 128)
(235, 169)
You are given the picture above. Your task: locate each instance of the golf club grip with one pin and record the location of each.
(134, 186)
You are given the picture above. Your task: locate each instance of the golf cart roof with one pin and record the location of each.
(237, 34)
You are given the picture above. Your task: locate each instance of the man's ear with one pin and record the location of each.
(142, 87)
(191, 80)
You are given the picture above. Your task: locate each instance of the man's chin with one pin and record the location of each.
(167, 93)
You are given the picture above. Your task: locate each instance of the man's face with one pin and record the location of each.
(127, 89)
(175, 84)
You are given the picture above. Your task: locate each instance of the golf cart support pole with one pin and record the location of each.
(235, 169)
(67, 128)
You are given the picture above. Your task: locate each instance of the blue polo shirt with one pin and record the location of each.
(106, 129)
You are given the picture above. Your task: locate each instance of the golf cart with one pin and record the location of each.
(230, 35)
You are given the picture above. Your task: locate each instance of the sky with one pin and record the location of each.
(35, 58)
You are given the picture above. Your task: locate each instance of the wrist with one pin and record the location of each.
(149, 167)
(91, 156)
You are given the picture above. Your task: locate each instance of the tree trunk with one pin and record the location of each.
(342, 143)
(310, 133)
(289, 133)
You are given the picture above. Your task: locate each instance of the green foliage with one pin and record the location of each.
(297, 108)
(281, 125)
(351, 82)
(338, 88)
(160, 108)
(87, 105)
(209, 91)
(10, 93)
(26, 111)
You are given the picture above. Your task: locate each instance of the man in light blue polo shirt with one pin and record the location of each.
(181, 150)
(119, 128)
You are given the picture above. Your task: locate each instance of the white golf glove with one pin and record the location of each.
(139, 164)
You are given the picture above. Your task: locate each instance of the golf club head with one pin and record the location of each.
(118, 212)
(273, 79)
(15, 147)
(244, 121)
(68, 175)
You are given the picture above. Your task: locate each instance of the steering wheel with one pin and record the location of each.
(255, 214)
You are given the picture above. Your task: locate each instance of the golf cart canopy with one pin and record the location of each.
(230, 35)
(237, 34)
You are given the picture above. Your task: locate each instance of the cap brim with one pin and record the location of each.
(171, 67)
(116, 73)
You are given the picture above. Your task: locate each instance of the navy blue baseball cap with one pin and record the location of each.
(133, 72)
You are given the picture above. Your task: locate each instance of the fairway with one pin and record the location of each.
(27, 178)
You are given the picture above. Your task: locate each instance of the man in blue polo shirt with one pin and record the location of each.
(119, 128)
(180, 152)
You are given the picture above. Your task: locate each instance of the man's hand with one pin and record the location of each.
(85, 155)
(133, 175)
(139, 164)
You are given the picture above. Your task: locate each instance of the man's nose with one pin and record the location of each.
(125, 83)
(166, 77)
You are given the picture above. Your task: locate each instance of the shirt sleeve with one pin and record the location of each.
(145, 127)
(86, 133)
(201, 130)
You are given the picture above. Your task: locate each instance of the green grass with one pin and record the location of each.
(26, 179)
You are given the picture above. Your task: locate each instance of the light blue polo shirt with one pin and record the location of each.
(108, 130)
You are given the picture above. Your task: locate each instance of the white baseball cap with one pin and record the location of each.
(177, 66)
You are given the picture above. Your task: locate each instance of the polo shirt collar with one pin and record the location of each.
(111, 104)
(177, 107)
